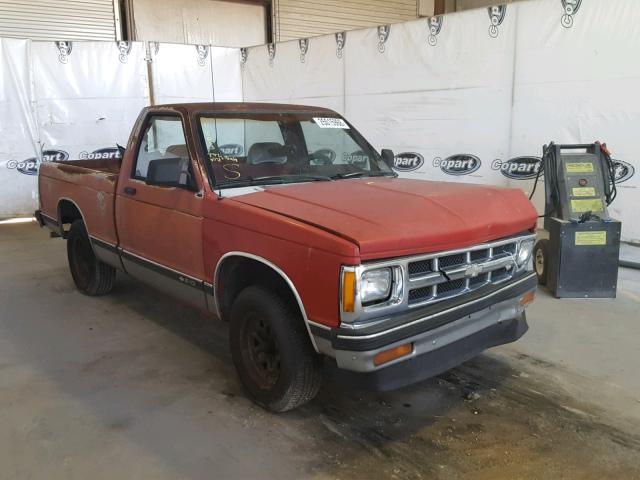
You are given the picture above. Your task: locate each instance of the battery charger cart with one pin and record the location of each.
(580, 258)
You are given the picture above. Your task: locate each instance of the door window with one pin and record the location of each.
(163, 138)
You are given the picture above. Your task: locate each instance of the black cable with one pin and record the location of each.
(549, 165)
(535, 184)
(611, 190)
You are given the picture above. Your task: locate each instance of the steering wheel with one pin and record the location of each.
(324, 156)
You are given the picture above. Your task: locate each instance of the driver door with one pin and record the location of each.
(160, 227)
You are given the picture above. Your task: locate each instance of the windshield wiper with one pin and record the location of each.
(295, 178)
(274, 180)
(364, 174)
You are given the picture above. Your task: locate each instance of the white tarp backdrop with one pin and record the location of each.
(181, 73)
(87, 97)
(78, 100)
(468, 97)
(18, 132)
(194, 73)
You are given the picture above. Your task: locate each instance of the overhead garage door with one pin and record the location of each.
(307, 18)
(58, 19)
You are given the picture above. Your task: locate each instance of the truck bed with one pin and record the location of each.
(89, 186)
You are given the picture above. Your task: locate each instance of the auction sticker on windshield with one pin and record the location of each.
(330, 122)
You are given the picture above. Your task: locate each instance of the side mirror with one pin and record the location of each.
(170, 172)
(388, 157)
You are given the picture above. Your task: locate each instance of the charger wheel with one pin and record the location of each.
(541, 260)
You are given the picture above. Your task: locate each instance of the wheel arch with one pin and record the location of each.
(231, 261)
(68, 211)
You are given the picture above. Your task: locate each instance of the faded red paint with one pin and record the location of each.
(308, 230)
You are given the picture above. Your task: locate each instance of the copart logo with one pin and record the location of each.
(125, 49)
(231, 149)
(100, 154)
(244, 55)
(519, 168)
(460, 164)
(571, 7)
(407, 161)
(435, 25)
(341, 40)
(383, 36)
(623, 171)
(64, 50)
(203, 53)
(303, 45)
(496, 14)
(30, 165)
(271, 51)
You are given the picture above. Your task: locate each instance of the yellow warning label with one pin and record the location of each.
(591, 238)
(582, 167)
(583, 192)
(581, 206)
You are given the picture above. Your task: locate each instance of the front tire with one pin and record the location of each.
(91, 276)
(271, 350)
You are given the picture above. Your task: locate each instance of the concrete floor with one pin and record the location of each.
(134, 385)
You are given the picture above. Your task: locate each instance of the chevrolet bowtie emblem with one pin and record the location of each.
(473, 271)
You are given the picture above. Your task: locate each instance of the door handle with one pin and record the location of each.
(129, 190)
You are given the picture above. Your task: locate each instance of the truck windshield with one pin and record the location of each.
(269, 148)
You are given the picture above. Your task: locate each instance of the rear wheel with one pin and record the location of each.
(91, 276)
(271, 351)
(541, 260)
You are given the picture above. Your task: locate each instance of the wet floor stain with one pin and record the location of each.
(482, 420)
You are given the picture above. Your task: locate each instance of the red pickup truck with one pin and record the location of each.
(284, 221)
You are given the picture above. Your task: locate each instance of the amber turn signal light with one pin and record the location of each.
(388, 355)
(348, 291)
(527, 298)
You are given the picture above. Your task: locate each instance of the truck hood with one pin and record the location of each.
(388, 217)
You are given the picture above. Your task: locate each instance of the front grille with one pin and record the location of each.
(430, 279)
(420, 268)
(509, 248)
(452, 260)
(500, 275)
(453, 286)
(420, 294)
(479, 254)
(478, 281)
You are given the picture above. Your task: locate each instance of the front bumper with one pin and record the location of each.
(443, 336)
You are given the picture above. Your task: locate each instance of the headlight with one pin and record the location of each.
(524, 253)
(375, 285)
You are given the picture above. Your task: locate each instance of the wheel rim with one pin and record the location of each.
(539, 262)
(261, 352)
(83, 260)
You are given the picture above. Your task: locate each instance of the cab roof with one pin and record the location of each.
(238, 107)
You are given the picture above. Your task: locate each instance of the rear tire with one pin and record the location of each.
(541, 260)
(271, 351)
(91, 276)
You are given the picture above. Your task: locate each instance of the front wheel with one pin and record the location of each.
(541, 260)
(271, 351)
(91, 276)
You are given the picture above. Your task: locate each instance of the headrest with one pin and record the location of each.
(178, 151)
(263, 152)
